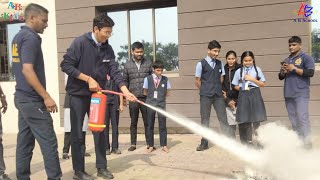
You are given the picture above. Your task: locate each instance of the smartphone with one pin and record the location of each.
(282, 62)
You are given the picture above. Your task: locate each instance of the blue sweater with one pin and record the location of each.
(84, 56)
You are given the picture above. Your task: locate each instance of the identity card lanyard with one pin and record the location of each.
(245, 84)
(156, 85)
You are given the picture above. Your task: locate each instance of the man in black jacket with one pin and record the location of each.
(87, 62)
(135, 70)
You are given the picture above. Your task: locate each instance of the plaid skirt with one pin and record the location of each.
(250, 107)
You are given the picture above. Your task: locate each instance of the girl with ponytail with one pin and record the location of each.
(251, 109)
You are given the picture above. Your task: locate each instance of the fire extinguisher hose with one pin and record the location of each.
(119, 94)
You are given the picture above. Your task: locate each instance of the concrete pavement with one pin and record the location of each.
(182, 162)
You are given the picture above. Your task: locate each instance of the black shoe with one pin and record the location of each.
(307, 145)
(115, 151)
(250, 144)
(202, 147)
(104, 173)
(4, 177)
(132, 148)
(65, 156)
(259, 146)
(82, 175)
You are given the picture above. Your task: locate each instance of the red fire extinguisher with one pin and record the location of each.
(97, 112)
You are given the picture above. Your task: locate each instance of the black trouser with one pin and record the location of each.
(233, 129)
(134, 115)
(35, 123)
(66, 142)
(2, 164)
(112, 114)
(162, 127)
(79, 107)
(220, 108)
(245, 131)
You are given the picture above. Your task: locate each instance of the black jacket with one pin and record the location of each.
(232, 94)
(134, 78)
(84, 56)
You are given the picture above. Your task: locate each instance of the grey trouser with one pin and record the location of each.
(220, 108)
(298, 112)
(35, 123)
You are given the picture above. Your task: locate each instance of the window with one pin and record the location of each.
(315, 32)
(167, 37)
(7, 32)
(119, 39)
(150, 27)
(141, 30)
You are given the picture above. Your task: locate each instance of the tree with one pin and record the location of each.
(122, 56)
(315, 38)
(167, 53)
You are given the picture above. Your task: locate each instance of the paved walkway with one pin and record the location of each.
(182, 162)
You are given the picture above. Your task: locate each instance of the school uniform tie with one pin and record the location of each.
(213, 63)
(156, 83)
(247, 71)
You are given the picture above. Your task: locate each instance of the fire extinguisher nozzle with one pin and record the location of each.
(140, 102)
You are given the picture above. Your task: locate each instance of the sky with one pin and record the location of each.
(316, 13)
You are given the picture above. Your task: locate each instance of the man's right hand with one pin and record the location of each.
(284, 67)
(198, 82)
(125, 102)
(232, 104)
(4, 104)
(50, 105)
(224, 94)
(93, 85)
(121, 108)
(127, 94)
(130, 96)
